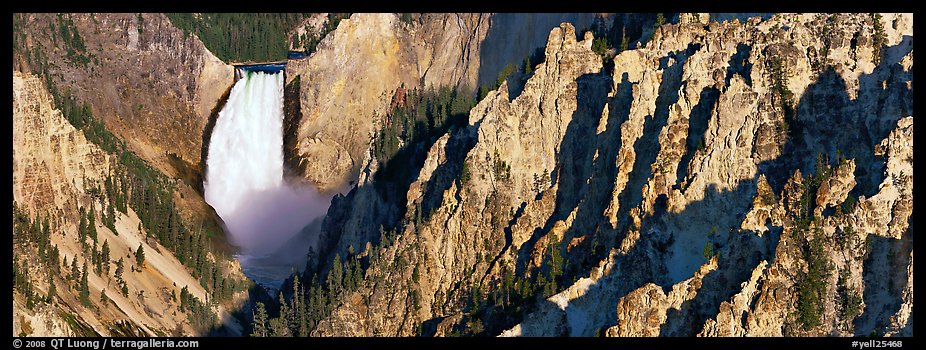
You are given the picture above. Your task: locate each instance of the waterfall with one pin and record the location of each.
(266, 214)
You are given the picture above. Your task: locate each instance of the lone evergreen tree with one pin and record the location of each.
(357, 274)
(878, 38)
(95, 257)
(91, 226)
(54, 268)
(120, 268)
(708, 251)
(260, 321)
(140, 256)
(84, 288)
(334, 276)
(660, 20)
(285, 311)
(75, 270)
(104, 256)
(298, 308)
(82, 227)
(556, 261)
(111, 218)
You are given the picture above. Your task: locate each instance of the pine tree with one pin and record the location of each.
(508, 283)
(223, 289)
(316, 300)
(120, 197)
(55, 269)
(356, 273)
(334, 276)
(708, 251)
(84, 288)
(91, 225)
(96, 260)
(120, 268)
(348, 277)
(260, 321)
(111, 216)
(34, 229)
(75, 271)
(108, 186)
(278, 328)
(297, 304)
(22, 281)
(52, 290)
(878, 38)
(140, 256)
(19, 274)
(303, 321)
(104, 256)
(285, 311)
(82, 228)
(660, 20)
(103, 218)
(43, 239)
(556, 261)
(103, 298)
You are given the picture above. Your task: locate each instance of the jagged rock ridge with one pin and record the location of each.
(686, 145)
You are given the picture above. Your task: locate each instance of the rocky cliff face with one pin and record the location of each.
(350, 80)
(151, 84)
(46, 147)
(684, 188)
(55, 171)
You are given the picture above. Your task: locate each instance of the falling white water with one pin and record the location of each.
(267, 215)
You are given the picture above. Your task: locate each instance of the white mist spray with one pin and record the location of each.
(245, 184)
